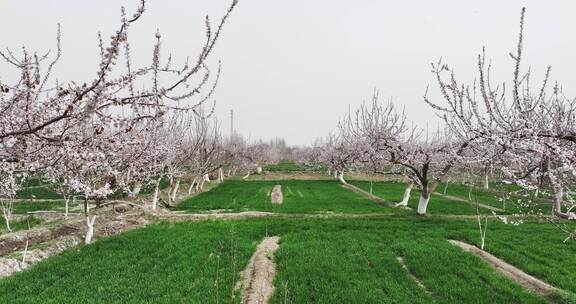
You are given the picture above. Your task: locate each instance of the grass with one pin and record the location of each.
(393, 191)
(23, 207)
(317, 196)
(44, 191)
(441, 203)
(493, 197)
(20, 224)
(333, 261)
(349, 260)
(287, 166)
(537, 249)
(319, 261)
(159, 264)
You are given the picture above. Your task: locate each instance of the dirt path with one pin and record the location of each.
(456, 198)
(367, 194)
(212, 216)
(56, 238)
(277, 196)
(324, 215)
(14, 262)
(411, 275)
(529, 282)
(17, 241)
(258, 277)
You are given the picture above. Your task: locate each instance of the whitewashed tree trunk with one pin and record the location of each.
(558, 192)
(247, 175)
(406, 197)
(174, 191)
(156, 194)
(329, 172)
(170, 189)
(481, 227)
(7, 213)
(7, 221)
(66, 208)
(423, 203)
(220, 175)
(136, 190)
(446, 186)
(371, 186)
(486, 183)
(341, 177)
(90, 220)
(25, 253)
(201, 185)
(259, 170)
(557, 205)
(207, 177)
(191, 186)
(7, 224)
(335, 173)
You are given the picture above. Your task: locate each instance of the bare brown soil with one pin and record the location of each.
(15, 262)
(258, 277)
(50, 240)
(167, 215)
(277, 197)
(17, 241)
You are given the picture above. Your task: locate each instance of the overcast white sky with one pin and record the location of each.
(292, 68)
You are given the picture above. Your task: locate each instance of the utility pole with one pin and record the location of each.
(231, 123)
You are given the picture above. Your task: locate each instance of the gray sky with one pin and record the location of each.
(292, 68)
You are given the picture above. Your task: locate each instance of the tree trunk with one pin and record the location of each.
(558, 197)
(174, 191)
(247, 175)
(90, 228)
(371, 186)
(156, 193)
(207, 177)
(557, 205)
(191, 186)
(7, 213)
(486, 183)
(341, 177)
(66, 200)
(258, 170)
(423, 203)
(136, 190)
(446, 186)
(406, 197)
(7, 221)
(89, 222)
(220, 175)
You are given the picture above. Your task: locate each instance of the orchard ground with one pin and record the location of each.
(336, 246)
